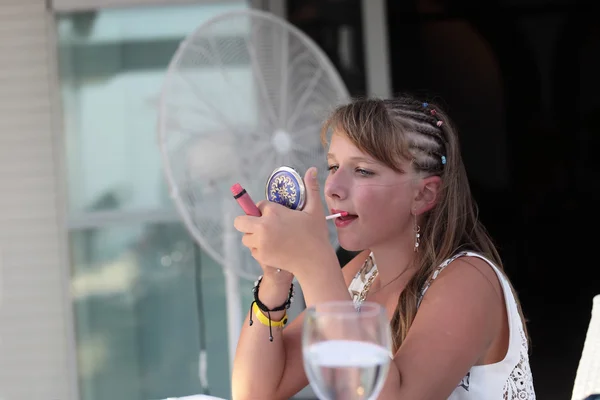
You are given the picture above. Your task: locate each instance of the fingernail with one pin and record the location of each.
(314, 173)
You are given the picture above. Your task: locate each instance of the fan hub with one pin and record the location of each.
(281, 141)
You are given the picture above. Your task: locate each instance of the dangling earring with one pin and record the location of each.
(417, 231)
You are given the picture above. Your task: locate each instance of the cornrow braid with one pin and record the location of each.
(424, 131)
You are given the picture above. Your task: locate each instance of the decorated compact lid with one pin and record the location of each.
(286, 187)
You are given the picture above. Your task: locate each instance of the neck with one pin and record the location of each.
(395, 258)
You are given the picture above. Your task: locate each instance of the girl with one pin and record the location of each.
(395, 167)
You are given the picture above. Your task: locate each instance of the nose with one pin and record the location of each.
(336, 185)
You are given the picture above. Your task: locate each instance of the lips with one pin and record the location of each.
(344, 221)
(348, 213)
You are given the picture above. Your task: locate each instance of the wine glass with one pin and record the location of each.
(346, 351)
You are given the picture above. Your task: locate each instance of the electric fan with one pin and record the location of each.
(245, 93)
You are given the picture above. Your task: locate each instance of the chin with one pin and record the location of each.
(351, 244)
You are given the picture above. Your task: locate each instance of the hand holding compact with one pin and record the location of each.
(290, 239)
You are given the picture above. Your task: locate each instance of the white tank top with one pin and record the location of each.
(509, 379)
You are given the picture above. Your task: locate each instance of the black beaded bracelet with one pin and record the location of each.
(286, 305)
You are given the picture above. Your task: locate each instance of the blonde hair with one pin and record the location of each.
(405, 128)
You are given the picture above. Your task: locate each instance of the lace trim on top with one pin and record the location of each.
(360, 285)
(519, 384)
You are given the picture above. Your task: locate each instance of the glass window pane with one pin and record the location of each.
(146, 301)
(112, 66)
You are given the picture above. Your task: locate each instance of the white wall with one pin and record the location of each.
(35, 328)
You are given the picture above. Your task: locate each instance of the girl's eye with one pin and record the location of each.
(332, 168)
(364, 172)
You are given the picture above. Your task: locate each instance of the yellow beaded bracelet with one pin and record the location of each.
(263, 319)
(263, 313)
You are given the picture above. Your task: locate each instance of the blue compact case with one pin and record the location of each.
(286, 187)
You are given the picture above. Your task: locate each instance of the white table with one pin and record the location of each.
(196, 397)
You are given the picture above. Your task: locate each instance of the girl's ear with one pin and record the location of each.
(427, 194)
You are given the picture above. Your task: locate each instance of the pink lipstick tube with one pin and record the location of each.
(244, 200)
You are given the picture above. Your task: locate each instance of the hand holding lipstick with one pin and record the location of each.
(246, 203)
(284, 237)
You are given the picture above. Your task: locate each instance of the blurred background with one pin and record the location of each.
(104, 294)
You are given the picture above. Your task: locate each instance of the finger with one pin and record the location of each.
(245, 223)
(266, 207)
(248, 241)
(262, 205)
(314, 204)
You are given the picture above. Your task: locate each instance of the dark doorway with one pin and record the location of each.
(519, 81)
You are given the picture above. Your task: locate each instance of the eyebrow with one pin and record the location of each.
(331, 156)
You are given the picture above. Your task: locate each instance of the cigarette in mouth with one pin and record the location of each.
(332, 216)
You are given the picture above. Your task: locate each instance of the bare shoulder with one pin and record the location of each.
(467, 289)
(458, 320)
(466, 279)
(473, 272)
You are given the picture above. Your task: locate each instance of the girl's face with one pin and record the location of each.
(378, 198)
